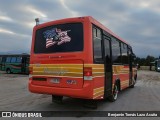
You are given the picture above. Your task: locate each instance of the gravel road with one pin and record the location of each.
(14, 96)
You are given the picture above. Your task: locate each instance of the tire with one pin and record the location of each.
(8, 71)
(114, 95)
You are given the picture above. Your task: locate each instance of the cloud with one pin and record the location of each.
(32, 10)
(135, 21)
(14, 42)
(5, 18)
(6, 31)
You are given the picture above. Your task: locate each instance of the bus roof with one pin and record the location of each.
(91, 19)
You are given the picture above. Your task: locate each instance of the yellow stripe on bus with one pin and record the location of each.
(98, 70)
(98, 92)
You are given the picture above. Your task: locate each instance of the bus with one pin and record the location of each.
(79, 58)
(15, 63)
(2, 62)
(157, 65)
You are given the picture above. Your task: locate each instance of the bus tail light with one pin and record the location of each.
(87, 73)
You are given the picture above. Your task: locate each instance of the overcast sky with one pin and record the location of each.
(136, 21)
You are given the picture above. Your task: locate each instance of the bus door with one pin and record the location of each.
(130, 66)
(107, 65)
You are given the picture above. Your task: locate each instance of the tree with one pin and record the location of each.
(148, 60)
(145, 61)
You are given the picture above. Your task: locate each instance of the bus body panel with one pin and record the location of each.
(98, 80)
(69, 75)
(84, 55)
(85, 92)
(68, 68)
(94, 88)
(14, 67)
(71, 64)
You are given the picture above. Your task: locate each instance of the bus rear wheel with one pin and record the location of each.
(114, 95)
(8, 71)
(57, 99)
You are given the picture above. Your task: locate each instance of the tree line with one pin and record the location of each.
(145, 61)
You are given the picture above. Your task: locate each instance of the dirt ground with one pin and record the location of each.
(14, 96)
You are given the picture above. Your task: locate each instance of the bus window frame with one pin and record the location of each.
(101, 61)
(19, 61)
(83, 36)
(103, 32)
(9, 60)
(127, 46)
(115, 63)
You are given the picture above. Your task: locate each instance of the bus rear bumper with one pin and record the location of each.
(85, 93)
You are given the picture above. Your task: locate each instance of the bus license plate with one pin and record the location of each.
(55, 80)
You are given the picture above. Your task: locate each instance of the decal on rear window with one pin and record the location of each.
(56, 36)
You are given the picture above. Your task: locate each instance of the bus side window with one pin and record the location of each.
(8, 60)
(124, 52)
(116, 53)
(97, 41)
(13, 60)
(19, 60)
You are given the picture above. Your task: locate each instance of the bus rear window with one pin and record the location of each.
(59, 38)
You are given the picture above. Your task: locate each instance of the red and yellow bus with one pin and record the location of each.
(79, 58)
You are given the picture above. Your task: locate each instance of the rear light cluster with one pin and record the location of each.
(87, 73)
